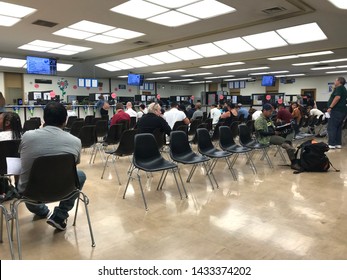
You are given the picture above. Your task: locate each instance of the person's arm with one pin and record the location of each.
(334, 102)
(165, 127)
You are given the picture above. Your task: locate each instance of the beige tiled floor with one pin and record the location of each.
(272, 215)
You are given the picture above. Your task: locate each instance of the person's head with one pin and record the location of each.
(119, 106)
(230, 106)
(68, 107)
(129, 105)
(101, 97)
(181, 107)
(154, 108)
(214, 106)
(239, 105)
(198, 106)
(55, 114)
(174, 104)
(294, 105)
(11, 121)
(280, 106)
(340, 81)
(142, 107)
(267, 109)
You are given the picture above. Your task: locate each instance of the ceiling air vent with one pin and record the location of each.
(140, 43)
(45, 23)
(274, 10)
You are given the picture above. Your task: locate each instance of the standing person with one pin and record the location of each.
(337, 110)
(2, 103)
(296, 113)
(215, 114)
(46, 141)
(10, 126)
(100, 105)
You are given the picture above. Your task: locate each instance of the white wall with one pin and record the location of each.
(2, 86)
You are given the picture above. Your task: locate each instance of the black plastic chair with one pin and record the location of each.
(132, 122)
(88, 120)
(227, 143)
(206, 148)
(69, 122)
(31, 125)
(247, 141)
(114, 134)
(181, 152)
(76, 127)
(148, 158)
(125, 148)
(88, 138)
(101, 130)
(52, 187)
(177, 125)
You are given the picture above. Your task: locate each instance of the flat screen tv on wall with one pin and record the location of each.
(268, 81)
(41, 65)
(135, 79)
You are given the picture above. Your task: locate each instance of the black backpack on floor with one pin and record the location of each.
(312, 157)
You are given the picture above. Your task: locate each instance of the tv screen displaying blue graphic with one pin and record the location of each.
(268, 81)
(41, 65)
(135, 79)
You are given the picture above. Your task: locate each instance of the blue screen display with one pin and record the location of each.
(135, 79)
(41, 65)
(268, 81)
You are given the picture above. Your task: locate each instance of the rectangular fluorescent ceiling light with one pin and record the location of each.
(265, 40)
(123, 77)
(52, 47)
(133, 62)
(334, 60)
(331, 72)
(172, 19)
(266, 73)
(104, 39)
(248, 69)
(12, 62)
(120, 65)
(183, 80)
(323, 68)
(157, 78)
(72, 33)
(234, 45)
(290, 75)
(172, 4)
(237, 79)
(108, 67)
(185, 54)
(200, 82)
(220, 77)
(8, 21)
(197, 74)
(139, 9)
(90, 26)
(206, 9)
(221, 65)
(75, 48)
(34, 48)
(341, 4)
(146, 59)
(300, 55)
(304, 33)
(208, 50)
(170, 71)
(63, 67)
(62, 52)
(123, 33)
(13, 10)
(306, 63)
(46, 44)
(165, 57)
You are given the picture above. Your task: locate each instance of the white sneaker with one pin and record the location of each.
(338, 146)
(332, 147)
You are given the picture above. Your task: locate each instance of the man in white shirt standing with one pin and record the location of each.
(130, 111)
(174, 115)
(215, 114)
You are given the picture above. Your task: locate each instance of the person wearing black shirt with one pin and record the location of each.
(152, 121)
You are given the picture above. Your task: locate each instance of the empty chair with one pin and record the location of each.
(113, 135)
(69, 122)
(247, 141)
(178, 124)
(95, 120)
(76, 127)
(125, 148)
(209, 124)
(52, 187)
(234, 128)
(206, 148)
(227, 143)
(181, 152)
(88, 138)
(31, 125)
(148, 158)
(101, 129)
(88, 120)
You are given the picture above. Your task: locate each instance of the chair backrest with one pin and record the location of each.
(125, 124)
(88, 120)
(126, 143)
(132, 122)
(204, 140)
(159, 137)
(87, 136)
(8, 148)
(70, 121)
(76, 127)
(193, 126)
(52, 178)
(244, 134)
(95, 120)
(209, 123)
(177, 124)
(114, 134)
(183, 127)
(179, 143)
(101, 128)
(145, 149)
(31, 125)
(234, 127)
(225, 137)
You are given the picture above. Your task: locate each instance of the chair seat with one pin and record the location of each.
(190, 158)
(215, 153)
(157, 164)
(237, 149)
(255, 145)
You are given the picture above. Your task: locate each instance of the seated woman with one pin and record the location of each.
(230, 115)
(10, 126)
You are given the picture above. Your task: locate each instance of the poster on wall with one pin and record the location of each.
(330, 87)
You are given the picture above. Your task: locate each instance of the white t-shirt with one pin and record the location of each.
(215, 115)
(131, 112)
(6, 135)
(316, 112)
(256, 115)
(174, 115)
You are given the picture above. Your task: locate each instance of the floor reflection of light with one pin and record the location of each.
(309, 213)
(296, 194)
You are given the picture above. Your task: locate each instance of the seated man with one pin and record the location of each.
(153, 120)
(174, 115)
(46, 141)
(198, 113)
(266, 134)
(119, 115)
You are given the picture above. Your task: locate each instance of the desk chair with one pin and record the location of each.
(52, 187)
(148, 158)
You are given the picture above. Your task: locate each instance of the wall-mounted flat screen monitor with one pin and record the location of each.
(135, 79)
(41, 65)
(268, 81)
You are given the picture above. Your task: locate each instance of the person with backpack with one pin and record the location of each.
(337, 110)
(267, 134)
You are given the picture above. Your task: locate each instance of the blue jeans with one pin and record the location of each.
(64, 207)
(335, 127)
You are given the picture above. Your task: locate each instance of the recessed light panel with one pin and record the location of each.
(89, 26)
(148, 60)
(172, 19)
(185, 54)
(172, 4)
(133, 62)
(265, 40)
(206, 9)
(208, 50)
(108, 67)
(13, 10)
(104, 39)
(120, 65)
(165, 57)
(8, 21)
(234, 45)
(341, 4)
(73, 33)
(123, 33)
(12, 62)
